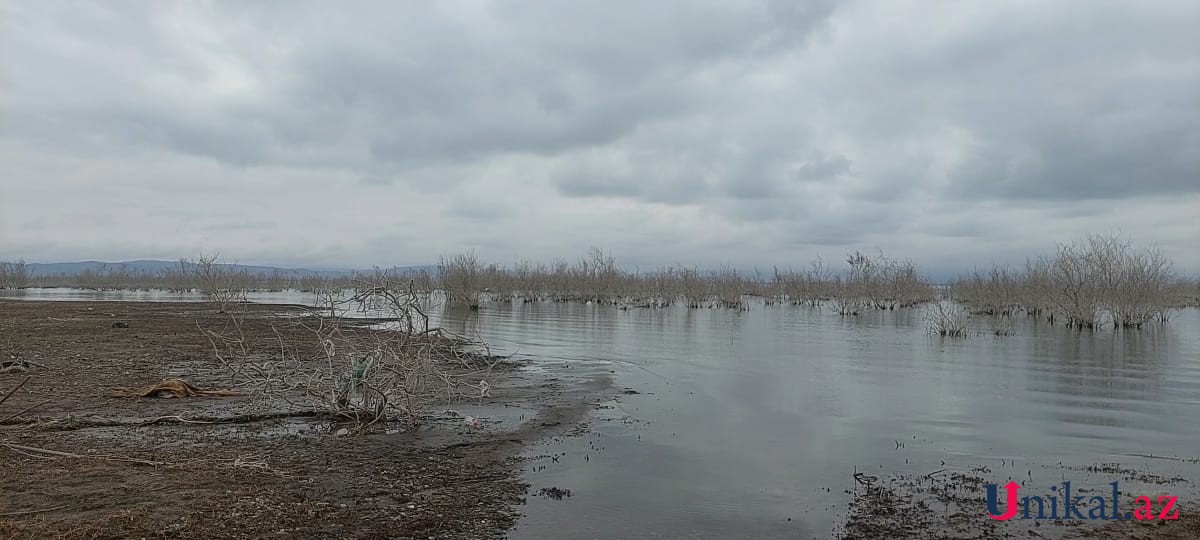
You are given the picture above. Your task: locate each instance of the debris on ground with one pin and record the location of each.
(555, 493)
(171, 388)
(16, 366)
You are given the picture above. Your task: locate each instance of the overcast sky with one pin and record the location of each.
(756, 133)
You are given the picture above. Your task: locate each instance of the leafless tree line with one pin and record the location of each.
(868, 282)
(876, 282)
(192, 275)
(13, 275)
(1102, 279)
(595, 278)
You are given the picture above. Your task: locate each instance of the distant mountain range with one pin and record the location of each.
(138, 267)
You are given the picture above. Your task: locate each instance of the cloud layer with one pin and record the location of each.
(752, 133)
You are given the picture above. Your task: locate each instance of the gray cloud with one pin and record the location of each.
(707, 132)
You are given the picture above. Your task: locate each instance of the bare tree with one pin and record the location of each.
(947, 318)
(219, 282)
(1100, 280)
(727, 288)
(461, 278)
(1138, 285)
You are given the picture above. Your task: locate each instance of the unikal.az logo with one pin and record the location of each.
(1079, 507)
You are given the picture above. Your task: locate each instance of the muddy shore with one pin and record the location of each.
(950, 505)
(122, 468)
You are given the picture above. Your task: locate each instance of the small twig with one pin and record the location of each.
(14, 390)
(27, 512)
(23, 411)
(100, 421)
(12, 446)
(56, 453)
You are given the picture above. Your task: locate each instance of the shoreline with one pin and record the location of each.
(275, 476)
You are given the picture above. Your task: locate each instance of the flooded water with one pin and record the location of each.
(751, 424)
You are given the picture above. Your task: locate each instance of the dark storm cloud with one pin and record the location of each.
(724, 130)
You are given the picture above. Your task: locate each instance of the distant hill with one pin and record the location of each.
(152, 267)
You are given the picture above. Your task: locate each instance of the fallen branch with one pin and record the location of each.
(14, 390)
(23, 411)
(70, 422)
(28, 512)
(19, 448)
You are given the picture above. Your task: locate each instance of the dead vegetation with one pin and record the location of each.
(1101, 280)
(595, 278)
(76, 462)
(461, 278)
(391, 369)
(13, 275)
(218, 282)
(868, 282)
(205, 272)
(947, 319)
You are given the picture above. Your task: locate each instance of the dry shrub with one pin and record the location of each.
(462, 279)
(1100, 280)
(391, 367)
(946, 318)
(220, 283)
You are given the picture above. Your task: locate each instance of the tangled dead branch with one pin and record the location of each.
(389, 369)
(945, 318)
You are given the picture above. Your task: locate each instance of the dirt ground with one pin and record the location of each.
(77, 463)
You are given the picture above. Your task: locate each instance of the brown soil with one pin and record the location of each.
(149, 467)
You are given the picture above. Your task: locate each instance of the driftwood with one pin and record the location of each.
(170, 388)
(32, 451)
(14, 390)
(82, 422)
(23, 411)
(28, 512)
